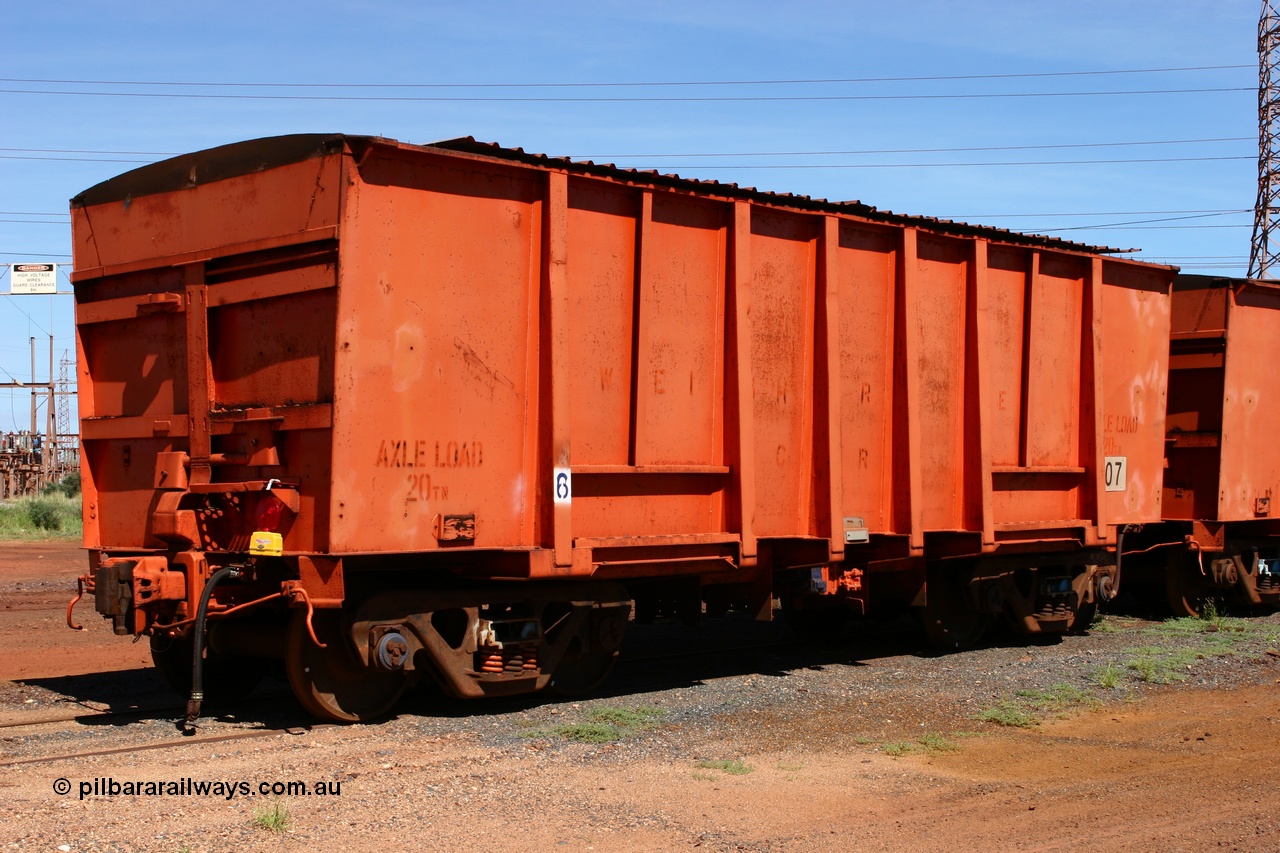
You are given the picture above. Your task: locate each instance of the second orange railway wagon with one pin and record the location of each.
(457, 409)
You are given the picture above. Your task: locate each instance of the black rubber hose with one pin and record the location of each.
(1115, 589)
(197, 646)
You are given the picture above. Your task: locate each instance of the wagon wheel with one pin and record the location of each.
(580, 675)
(224, 679)
(816, 621)
(330, 682)
(1184, 588)
(950, 618)
(591, 656)
(1085, 614)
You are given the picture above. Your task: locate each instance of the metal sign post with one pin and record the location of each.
(20, 472)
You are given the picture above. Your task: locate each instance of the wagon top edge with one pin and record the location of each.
(187, 171)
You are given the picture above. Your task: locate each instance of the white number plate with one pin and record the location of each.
(1115, 470)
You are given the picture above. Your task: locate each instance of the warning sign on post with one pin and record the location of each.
(33, 278)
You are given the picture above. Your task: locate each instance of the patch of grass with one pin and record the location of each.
(627, 718)
(704, 777)
(1027, 706)
(1112, 624)
(1208, 623)
(1009, 713)
(732, 766)
(1108, 676)
(1210, 611)
(1056, 699)
(603, 725)
(1148, 670)
(1156, 665)
(897, 747)
(937, 743)
(1160, 669)
(580, 732)
(275, 817)
(52, 516)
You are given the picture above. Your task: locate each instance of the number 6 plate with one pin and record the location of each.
(562, 486)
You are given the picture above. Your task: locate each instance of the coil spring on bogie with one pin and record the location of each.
(512, 661)
(1056, 609)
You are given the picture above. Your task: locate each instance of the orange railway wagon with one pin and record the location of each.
(1222, 484)
(455, 409)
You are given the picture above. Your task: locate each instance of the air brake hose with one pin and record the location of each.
(1108, 593)
(197, 645)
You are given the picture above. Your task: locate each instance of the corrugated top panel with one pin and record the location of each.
(857, 208)
(239, 158)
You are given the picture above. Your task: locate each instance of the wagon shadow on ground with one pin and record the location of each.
(123, 697)
(672, 656)
(656, 657)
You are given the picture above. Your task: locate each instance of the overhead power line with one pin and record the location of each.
(1140, 228)
(623, 99)
(71, 159)
(774, 166)
(1100, 213)
(1144, 221)
(950, 165)
(1046, 147)
(630, 84)
(941, 216)
(91, 151)
(33, 320)
(894, 150)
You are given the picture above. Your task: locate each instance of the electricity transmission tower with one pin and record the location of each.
(1264, 253)
(64, 396)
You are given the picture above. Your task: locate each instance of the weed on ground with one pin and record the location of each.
(1108, 676)
(1009, 713)
(602, 725)
(274, 817)
(926, 743)
(1028, 707)
(732, 766)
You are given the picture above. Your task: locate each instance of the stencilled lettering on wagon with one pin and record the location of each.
(422, 488)
(421, 453)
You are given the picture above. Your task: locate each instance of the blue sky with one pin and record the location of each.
(425, 71)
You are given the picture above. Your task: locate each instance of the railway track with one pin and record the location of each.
(175, 711)
(149, 747)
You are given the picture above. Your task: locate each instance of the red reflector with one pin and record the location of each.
(268, 516)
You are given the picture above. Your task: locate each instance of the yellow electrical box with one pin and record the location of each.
(264, 544)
